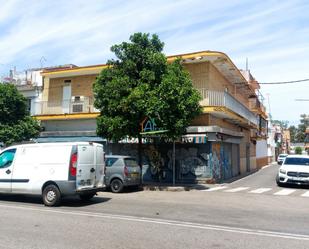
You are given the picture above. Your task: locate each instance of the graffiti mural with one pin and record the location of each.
(191, 160)
(221, 161)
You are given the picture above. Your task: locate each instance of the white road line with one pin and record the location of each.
(215, 188)
(233, 190)
(285, 192)
(306, 194)
(260, 190)
(176, 223)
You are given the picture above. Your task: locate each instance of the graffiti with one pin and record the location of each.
(215, 161)
(155, 160)
(220, 160)
(189, 161)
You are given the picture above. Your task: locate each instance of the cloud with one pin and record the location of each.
(272, 34)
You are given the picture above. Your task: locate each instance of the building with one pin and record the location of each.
(30, 84)
(219, 144)
(66, 108)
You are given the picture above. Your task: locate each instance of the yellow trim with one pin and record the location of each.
(67, 116)
(205, 53)
(169, 59)
(79, 69)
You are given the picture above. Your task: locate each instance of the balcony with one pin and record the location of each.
(76, 105)
(256, 106)
(226, 106)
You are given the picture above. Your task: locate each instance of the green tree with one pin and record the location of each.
(282, 123)
(140, 83)
(15, 123)
(298, 150)
(293, 132)
(304, 123)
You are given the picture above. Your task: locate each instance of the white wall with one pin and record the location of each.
(261, 148)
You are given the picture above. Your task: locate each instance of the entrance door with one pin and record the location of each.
(6, 169)
(66, 98)
(248, 157)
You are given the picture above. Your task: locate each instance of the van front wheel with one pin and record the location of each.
(51, 196)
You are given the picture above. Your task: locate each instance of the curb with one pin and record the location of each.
(174, 188)
(166, 188)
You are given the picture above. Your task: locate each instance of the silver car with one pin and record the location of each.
(121, 171)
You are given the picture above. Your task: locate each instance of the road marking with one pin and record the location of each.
(215, 188)
(212, 227)
(233, 190)
(260, 190)
(306, 194)
(285, 192)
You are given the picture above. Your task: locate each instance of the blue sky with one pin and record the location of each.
(273, 35)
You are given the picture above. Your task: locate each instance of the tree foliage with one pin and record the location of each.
(298, 150)
(298, 134)
(15, 123)
(140, 83)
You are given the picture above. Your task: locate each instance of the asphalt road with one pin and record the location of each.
(222, 218)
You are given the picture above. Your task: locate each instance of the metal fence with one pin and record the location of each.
(220, 98)
(83, 105)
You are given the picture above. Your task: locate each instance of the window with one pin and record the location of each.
(110, 161)
(131, 162)
(297, 161)
(6, 158)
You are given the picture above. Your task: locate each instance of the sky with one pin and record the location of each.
(273, 35)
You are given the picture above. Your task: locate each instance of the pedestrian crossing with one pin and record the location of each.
(256, 191)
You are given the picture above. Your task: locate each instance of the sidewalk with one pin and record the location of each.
(158, 186)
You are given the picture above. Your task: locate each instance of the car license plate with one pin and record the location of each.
(301, 179)
(134, 175)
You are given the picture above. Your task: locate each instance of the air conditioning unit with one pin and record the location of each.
(77, 104)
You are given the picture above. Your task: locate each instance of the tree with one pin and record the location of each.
(298, 150)
(293, 132)
(15, 123)
(282, 123)
(304, 123)
(140, 83)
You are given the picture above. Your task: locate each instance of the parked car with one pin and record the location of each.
(281, 158)
(121, 171)
(294, 170)
(53, 170)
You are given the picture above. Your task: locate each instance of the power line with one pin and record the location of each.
(283, 82)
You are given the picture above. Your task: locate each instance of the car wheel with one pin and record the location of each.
(116, 186)
(86, 197)
(51, 196)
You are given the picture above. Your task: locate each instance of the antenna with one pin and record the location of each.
(247, 64)
(42, 60)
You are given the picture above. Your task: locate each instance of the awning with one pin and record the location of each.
(194, 138)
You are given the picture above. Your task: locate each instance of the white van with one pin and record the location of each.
(53, 170)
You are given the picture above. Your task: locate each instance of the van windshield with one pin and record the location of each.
(297, 161)
(130, 162)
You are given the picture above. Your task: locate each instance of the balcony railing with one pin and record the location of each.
(82, 105)
(220, 98)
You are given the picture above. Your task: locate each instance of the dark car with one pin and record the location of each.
(121, 171)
